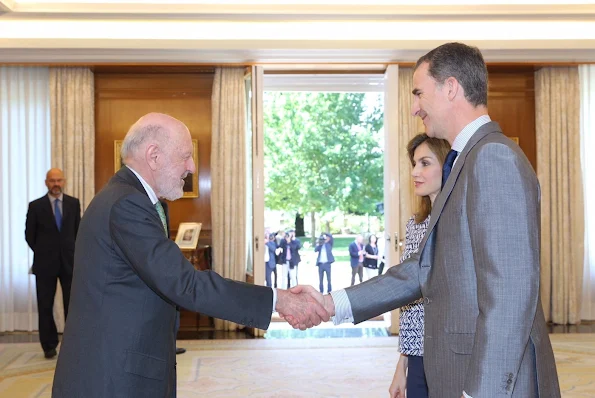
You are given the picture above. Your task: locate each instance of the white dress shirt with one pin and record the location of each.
(60, 203)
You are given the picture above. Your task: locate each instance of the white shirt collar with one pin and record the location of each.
(147, 187)
(53, 198)
(465, 135)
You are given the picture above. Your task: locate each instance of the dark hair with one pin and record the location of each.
(440, 148)
(370, 239)
(464, 63)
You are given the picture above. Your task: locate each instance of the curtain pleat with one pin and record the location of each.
(228, 170)
(557, 104)
(408, 128)
(72, 104)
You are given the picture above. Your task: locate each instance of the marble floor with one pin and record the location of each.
(318, 367)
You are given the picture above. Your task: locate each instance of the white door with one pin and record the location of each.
(258, 243)
(392, 188)
(255, 120)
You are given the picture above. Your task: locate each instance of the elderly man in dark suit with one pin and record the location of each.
(477, 267)
(50, 230)
(119, 338)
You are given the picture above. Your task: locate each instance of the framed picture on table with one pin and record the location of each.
(190, 182)
(187, 237)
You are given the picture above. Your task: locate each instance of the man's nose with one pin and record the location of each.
(192, 166)
(415, 107)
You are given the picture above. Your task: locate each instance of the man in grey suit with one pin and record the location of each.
(478, 265)
(119, 339)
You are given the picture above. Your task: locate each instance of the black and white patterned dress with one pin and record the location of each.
(411, 319)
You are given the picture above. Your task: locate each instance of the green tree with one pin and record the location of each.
(323, 151)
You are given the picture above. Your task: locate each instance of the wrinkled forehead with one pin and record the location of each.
(180, 139)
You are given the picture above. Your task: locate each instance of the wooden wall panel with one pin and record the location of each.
(511, 103)
(121, 99)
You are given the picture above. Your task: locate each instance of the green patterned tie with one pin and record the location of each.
(161, 213)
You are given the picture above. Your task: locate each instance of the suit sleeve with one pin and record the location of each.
(31, 227)
(139, 238)
(353, 252)
(504, 190)
(399, 286)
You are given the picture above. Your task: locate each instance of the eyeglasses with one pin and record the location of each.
(54, 181)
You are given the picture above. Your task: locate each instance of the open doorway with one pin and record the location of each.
(323, 185)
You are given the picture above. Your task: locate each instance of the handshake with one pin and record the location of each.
(304, 307)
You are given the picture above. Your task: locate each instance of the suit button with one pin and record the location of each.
(427, 301)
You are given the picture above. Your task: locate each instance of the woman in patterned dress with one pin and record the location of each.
(427, 156)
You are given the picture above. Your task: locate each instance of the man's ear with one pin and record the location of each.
(453, 87)
(151, 155)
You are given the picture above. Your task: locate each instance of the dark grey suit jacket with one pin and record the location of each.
(119, 339)
(478, 271)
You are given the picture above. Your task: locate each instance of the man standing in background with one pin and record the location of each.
(324, 247)
(356, 258)
(50, 230)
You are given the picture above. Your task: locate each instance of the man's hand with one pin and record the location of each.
(302, 307)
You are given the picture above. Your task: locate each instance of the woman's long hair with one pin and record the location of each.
(440, 148)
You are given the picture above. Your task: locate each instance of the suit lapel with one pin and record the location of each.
(66, 210)
(491, 127)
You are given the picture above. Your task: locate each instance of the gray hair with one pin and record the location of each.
(464, 63)
(140, 133)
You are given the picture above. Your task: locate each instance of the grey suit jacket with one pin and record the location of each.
(478, 271)
(119, 339)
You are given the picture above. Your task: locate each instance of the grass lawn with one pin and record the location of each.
(341, 245)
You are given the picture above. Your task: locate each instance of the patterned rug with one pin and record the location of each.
(337, 367)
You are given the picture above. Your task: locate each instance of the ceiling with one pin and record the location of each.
(287, 32)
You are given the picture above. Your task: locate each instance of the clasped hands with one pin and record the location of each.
(304, 307)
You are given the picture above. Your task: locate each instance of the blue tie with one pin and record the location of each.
(447, 167)
(58, 214)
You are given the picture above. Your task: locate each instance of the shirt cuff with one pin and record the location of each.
(466, 395)
(343, 312)
(274, 298)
